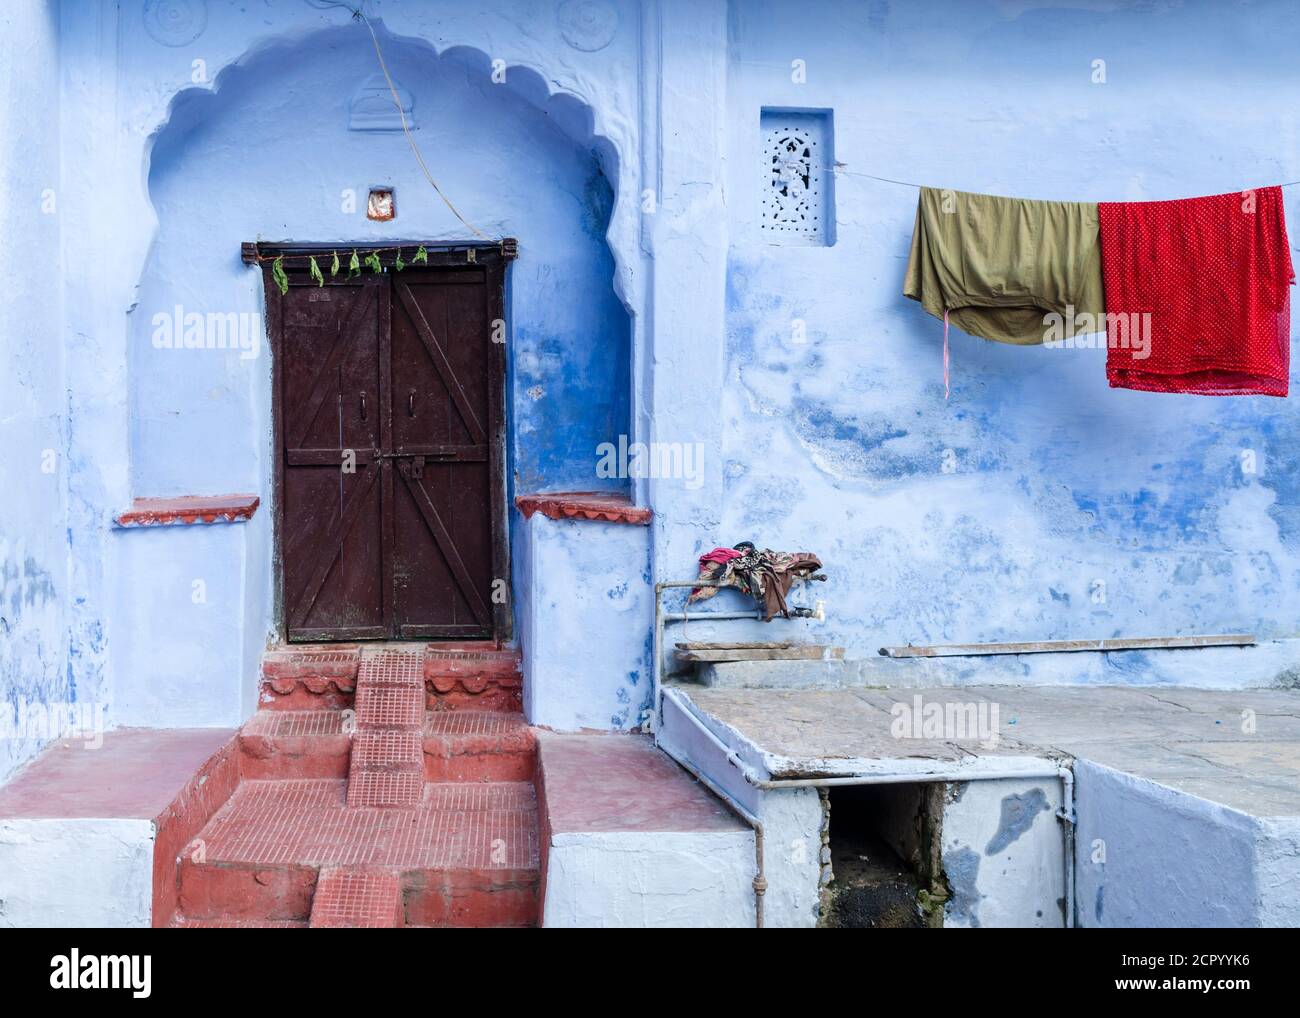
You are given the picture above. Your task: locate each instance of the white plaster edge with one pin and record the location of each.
(81, 872)
(1229, 816)
(649, 840)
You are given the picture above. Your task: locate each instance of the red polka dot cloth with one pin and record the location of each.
(1198, 294)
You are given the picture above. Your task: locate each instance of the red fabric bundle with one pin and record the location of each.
(712, 565)
(1198, 294)
(719, 555)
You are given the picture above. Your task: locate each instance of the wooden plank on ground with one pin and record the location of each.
(1072, 646)
(761, 645)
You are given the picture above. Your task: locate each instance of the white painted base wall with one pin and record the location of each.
(792, 857)
(1277, 860)
(76, 873)
(1148, 855)
(650, 880)
(1003, 852)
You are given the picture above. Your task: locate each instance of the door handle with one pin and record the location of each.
(410, 404)
(363, 404)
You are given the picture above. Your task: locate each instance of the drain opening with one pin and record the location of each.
(883, 845)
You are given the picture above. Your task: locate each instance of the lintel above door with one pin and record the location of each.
(438, 252)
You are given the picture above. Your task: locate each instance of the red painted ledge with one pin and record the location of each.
(605, 506)
(161, 512)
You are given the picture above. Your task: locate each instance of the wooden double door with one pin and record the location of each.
(389, 434)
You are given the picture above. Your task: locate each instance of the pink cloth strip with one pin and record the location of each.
(945, 353)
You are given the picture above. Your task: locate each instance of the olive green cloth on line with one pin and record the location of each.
(998, 265)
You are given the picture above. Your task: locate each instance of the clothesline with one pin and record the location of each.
(1193, 295)
(839, 170)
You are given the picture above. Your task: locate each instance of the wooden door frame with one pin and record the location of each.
(494, 259)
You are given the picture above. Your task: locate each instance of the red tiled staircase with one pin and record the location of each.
(387, 766)
(384, 786)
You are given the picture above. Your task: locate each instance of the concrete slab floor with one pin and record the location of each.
(623, 783)
(630, 839)
(135, 774)
(1237, 748)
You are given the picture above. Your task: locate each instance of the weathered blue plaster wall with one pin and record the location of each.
(837, 444)
(1059, 487)
(585, 595)
(268, 156)
(34, 667)
(1146, 855)
(549, 157)
(1004, 855)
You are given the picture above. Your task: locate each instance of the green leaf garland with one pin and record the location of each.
(278, 274)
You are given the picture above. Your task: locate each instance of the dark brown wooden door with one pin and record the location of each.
(441, 420)
(389, 425)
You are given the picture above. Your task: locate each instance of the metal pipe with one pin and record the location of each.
(665, 584)
(704, 616)
(885, 778)
(662, 617)
(760, 877)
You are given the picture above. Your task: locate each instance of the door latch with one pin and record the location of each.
(417, 467)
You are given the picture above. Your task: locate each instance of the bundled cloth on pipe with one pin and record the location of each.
(765, 575)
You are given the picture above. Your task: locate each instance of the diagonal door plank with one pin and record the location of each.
(443, 540)
(441, 364)
(317, 390)
(334, 541)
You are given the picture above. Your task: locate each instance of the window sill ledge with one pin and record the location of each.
(187, 509)
(603, 507)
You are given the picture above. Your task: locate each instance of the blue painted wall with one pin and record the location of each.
(221, 125)
(584, 590)
(1169, 859)
(268, 155)
(1061, 489)
(645, 122)
(34, 668)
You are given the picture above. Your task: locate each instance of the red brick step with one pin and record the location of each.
(185, 923)
(386, 768)
(296, 744)
(357, 899)
(457, 745)
(390, 784)
(457, 676)
(467, 855)
(478, 746)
